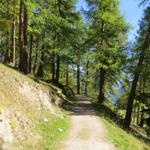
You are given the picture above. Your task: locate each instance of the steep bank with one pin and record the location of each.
(28, 119)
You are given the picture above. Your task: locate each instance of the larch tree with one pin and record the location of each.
(144, 41)
(107, 24)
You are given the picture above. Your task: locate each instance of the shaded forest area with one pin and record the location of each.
(86, 51)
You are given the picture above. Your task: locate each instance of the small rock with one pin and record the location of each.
(59, 130)
(45, 120)
(62, 117)
(45, 108)
(6, 131)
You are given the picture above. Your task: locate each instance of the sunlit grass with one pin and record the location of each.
(120, 138)
(53, 131)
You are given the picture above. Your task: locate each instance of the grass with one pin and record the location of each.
(46, 135)
(35, 134)
(53, 131)
(120, 138)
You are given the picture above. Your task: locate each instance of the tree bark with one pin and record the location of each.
(138, 114)
(14, 42)
(142, 117)
(53, 68)
(86, 82)
(134, 114)
(40, 72)
(146, 43)
(14, 36)
(23, 64)
(36, 55)
(67, 75)
(78, 78)
(57, 69)
(101, 86)
(7, 57)
(54, 60)
(102, 72)
(30, 54)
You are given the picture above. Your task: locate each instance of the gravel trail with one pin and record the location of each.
(87, 131)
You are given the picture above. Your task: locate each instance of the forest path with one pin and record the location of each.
(87, 131)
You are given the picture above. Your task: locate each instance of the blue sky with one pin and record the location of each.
(130, 9)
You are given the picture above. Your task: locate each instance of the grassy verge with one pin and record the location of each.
(120, 138)
(52, 131)
(48, 131)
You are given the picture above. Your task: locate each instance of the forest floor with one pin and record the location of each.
(87, 131)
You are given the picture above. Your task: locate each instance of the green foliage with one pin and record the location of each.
(60, 40)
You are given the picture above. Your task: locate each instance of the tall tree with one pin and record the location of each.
(23, 64)
(107, 25)
(144, 46)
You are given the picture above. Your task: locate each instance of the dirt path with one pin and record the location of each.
(87, 131)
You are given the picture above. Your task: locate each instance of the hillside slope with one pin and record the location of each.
(28, 119)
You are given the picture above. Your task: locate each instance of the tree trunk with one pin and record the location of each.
(78, 78)
(23, 64)
(86, 82)
(40, 72)
(67, 75)
(30, 55)
(7, 57)
(14, 42)
(57, 69)
(132, 95)
(14, 37)
(54, 60)
(134, 114)
(36, 55)
(138, 114)
(142, 118)
(101, 86)
(146, 43)
(53, 68)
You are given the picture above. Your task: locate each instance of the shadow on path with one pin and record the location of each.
(83, 106)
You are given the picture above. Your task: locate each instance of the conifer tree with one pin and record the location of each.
(108, 25)
(143, 45)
